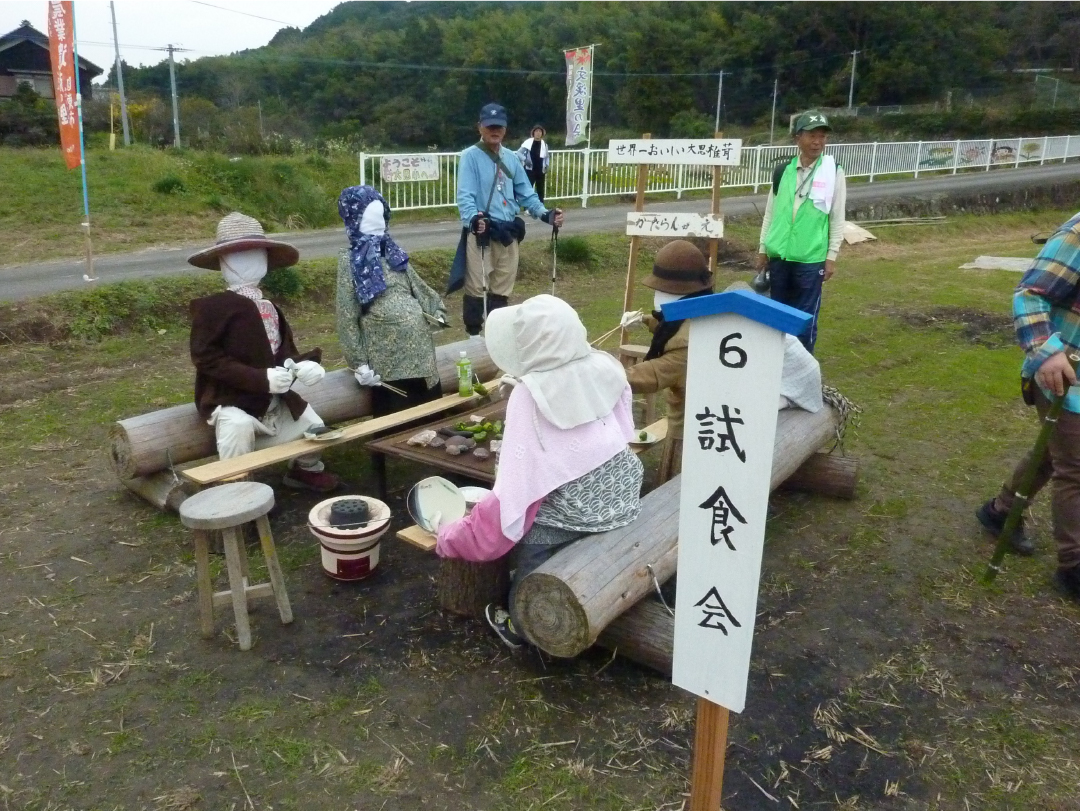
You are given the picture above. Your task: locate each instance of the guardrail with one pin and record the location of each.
(582, 174)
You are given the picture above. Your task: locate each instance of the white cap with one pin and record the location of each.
(463, 354)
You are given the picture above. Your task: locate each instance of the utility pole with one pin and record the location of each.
(719, 95)
(772, 125)
(120, 79)
(261, 136)
(851, 85)
(175, 108)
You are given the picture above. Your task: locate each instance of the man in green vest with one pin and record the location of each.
(804, 222)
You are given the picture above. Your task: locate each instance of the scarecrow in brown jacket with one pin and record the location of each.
(246, 362)
(680, 271)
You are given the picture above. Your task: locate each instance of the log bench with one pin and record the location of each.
(152, 453)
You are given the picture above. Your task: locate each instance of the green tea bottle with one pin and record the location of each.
(464, 375)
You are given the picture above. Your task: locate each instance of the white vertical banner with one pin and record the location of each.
(579, 69)
(732, 396)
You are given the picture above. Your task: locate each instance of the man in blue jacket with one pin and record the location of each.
(492, 189)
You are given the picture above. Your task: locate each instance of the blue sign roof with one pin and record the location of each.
(743, 302)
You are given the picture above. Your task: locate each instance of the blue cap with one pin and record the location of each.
(492, 115)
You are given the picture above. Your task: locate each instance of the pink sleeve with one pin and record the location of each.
(478, 536)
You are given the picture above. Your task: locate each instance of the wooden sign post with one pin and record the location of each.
(715, 152)
(736, 356)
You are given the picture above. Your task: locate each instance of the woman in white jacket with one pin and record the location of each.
(533, 154)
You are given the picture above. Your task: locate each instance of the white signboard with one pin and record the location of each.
(398, 168)
(697, 151)
(640, 224)
(733, 387)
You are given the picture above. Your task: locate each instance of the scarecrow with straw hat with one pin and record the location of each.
(247, 366)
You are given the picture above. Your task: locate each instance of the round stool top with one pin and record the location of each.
(227, 505)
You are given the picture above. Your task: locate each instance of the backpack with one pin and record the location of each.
(777, 175)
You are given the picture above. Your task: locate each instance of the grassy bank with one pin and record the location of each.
(141, 196)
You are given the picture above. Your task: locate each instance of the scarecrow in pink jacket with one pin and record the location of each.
(565, 469)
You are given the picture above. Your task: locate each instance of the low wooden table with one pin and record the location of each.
(465, 464)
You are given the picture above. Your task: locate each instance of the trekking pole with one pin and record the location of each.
(1023, 493)
(482, 243)
(554, 254)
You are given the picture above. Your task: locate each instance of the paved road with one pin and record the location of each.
(26, 281)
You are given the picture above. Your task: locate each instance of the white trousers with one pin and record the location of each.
(237, 432)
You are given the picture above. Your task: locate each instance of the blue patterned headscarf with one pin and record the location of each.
(365, 249)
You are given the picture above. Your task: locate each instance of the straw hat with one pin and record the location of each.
(239, 232)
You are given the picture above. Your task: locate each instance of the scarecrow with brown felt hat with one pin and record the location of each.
(249, 375)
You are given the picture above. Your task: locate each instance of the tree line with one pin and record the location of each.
(414, 74)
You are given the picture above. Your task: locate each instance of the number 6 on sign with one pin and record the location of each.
(726, 349)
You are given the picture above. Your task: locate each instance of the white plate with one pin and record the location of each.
(650, 438)
(335, 433)
(434, 495)
(472, 494)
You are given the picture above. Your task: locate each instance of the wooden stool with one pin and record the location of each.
(226, 508)
(630, 354)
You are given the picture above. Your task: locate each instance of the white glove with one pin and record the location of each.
(280, 379)
(631, 318)
(365, 376)
(506, 385)
(307, 372)
(435, 521)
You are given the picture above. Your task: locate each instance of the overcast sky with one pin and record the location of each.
(215, 27)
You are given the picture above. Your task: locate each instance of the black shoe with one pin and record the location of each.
(994, 521)
(499, 620)
(1068, 582)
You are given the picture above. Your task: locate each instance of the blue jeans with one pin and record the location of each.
(798, 285)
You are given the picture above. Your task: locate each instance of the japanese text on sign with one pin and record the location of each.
(703, 151)
(62, 54)
(579, 66)
(399, 168)
(733, 380)
(641, 224)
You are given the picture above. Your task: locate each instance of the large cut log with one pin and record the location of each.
(571, 598)
(151, 442)
(467, 588)
(162, 489)
(828, 474)
(645, 634)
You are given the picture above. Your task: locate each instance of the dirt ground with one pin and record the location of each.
(883, 676)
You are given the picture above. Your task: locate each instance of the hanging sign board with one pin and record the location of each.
(401, 168)
(579, 68)
(642, 224)
(61, 28)
(736, 356)
(697, 151)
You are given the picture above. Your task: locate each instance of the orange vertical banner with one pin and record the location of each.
(61, 26)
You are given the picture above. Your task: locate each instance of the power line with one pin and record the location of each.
(246, 14)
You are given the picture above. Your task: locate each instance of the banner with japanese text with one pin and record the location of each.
(61, 27)
(579, 68)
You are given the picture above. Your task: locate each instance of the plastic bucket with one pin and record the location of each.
(349, 553)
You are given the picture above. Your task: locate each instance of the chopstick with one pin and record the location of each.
(386, 386)
(606, 335)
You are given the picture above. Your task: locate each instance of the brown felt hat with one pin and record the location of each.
(679, 269)
(239, 232)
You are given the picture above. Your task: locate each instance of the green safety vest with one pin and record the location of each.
(806, 239)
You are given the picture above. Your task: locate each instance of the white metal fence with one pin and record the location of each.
(581, 174)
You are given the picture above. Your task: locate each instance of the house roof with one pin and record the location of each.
(27, 33)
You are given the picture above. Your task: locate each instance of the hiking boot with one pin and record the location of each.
(994, 521)
(1068, 582)
(318, 480)
(500, 623)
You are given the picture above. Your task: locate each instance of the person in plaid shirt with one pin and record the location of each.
(1046, 314)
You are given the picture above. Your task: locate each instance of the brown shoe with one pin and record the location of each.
(320, 481)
